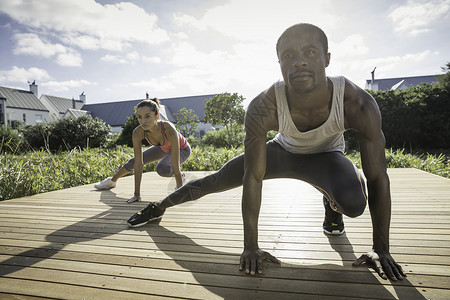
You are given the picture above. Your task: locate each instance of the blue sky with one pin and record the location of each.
(116, 50)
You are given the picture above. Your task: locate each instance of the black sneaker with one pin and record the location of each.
(333, 223)
(150, 213)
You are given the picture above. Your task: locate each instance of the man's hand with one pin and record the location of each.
(252, 261)
(384, 265)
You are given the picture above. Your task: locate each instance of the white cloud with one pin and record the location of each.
(32, 44)
(64, 86)
(262, 20)
(17, 74)
(69, 59)
(181, 19)
(152, 59)
(131, 57)
(416, 16)
(353, 45)
(88, 24)
(116, 59)
(409, 64)
(391, 62)
(155, 86)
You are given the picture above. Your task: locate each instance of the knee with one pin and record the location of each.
(354, 208)
(129, 165)
(164, 170)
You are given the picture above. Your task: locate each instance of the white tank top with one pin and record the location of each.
(325, 138)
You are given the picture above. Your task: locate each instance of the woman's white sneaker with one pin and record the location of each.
(105, 184)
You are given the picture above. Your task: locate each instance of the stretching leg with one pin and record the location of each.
(331, 173)
(228, 177)
(164, 167)
(151, 154)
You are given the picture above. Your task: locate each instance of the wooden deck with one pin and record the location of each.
(75, 244)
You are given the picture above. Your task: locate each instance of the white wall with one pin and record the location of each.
(32, 117)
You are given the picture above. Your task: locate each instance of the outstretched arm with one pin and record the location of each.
(259, 118)
(366, 119)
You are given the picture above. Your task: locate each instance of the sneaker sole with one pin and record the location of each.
(103, 189)
(142, 224)
(334, 232)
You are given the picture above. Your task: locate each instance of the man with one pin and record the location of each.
(310, 111)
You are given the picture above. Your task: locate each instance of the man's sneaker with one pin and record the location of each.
(333, 223)
(105, 184)
(183, 179)
(150, 213)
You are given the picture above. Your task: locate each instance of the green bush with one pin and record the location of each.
(418, 117)
(436, 164)
(220, 138)
(67, 133)
(208, 158)
(193, 141)
(10, 141)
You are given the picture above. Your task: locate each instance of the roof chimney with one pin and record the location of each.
(373, 75)
(34, 88)
(83, 98)
(74, 106)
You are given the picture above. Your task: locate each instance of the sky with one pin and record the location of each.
(115, 51)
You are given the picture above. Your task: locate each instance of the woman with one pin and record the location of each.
(167, 145)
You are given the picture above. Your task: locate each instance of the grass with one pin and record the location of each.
(42, 171)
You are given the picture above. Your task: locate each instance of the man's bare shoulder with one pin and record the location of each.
(359, 107)
(262, 111)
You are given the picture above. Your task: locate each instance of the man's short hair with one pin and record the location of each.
(300, 28)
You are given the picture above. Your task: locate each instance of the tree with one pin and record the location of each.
(226, 109)
(444, 80)
(186, 121)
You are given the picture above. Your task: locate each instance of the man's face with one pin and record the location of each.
(303, 61)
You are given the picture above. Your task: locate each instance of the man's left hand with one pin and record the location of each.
(384, 265)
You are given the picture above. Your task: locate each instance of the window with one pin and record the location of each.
(24, 118)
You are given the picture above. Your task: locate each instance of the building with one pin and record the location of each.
(21, 107)
(60, 107)
(398, 83)
(24, 106)
(116, 113)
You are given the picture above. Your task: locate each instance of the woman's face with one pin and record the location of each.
(146, 117)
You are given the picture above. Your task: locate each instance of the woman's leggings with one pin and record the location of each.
(164, 167)
(330, 172)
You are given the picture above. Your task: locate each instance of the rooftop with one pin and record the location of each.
(116, 113)
(17, 98)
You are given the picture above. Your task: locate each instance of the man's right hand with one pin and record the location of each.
(252, 261)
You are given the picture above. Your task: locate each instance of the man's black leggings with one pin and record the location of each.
(330, 172)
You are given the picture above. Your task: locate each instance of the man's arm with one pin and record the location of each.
(259, 119)
(363, 115)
